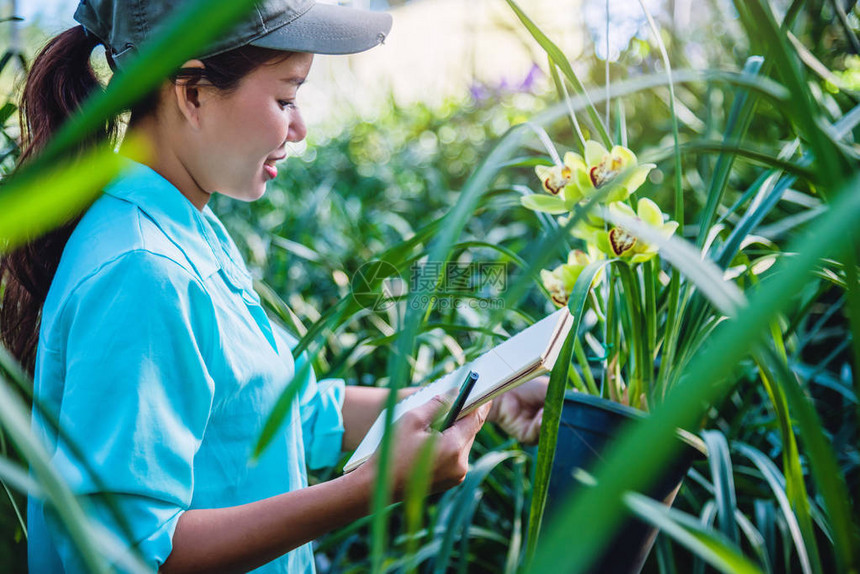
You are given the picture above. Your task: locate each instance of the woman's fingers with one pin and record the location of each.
(423, 417)
(467, 427)
(450, 450)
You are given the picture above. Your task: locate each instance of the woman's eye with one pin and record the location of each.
(286, 104)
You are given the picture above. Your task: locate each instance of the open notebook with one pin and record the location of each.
(524, 356)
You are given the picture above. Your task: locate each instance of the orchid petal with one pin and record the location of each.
(594, 153)
(575, 161)
(669, 228)
(621, 209)
(637, 177)
(649, 212)
(628, 158)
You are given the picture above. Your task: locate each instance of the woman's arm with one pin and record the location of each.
(244, 537)
(241, 538)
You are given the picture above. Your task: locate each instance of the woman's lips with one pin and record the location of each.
(270, 170)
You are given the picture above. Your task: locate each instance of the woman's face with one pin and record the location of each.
(243, 133)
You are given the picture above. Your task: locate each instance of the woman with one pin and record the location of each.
(153, 352)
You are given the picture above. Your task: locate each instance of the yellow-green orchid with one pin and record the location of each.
(558, 181)
(601, 167)
(560, 281)
(618, 242)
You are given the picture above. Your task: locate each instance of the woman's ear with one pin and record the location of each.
(187, 94)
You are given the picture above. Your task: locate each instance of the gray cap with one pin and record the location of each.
(289, 25)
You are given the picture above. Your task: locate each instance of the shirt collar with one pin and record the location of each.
(187, 227)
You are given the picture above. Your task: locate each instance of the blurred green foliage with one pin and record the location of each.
(379, 182)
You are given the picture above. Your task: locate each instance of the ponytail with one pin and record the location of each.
(60, 80)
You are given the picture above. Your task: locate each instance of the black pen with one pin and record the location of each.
(465, 389)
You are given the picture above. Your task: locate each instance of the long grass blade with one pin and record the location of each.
(554, 405)
(765, 518)
(15, 420)
(31, 206)
(755, 539)
(464, 503)
(736, 126)
(718, 551)
(770, 473)
(794, 478)
(14, 475)
(824, 468)
(722, 476)
(398, 365)
(757, 17)
(852, 282)
(516, 542)
(559, 59)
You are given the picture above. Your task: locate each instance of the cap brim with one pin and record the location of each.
(329, 29)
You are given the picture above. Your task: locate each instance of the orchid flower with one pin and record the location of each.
(601, 167)
(560, 281)
(558, 182)
(617, 242)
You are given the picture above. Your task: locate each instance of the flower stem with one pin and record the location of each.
(611, 335)
(638, 346)
(651, 270)
(586, 369)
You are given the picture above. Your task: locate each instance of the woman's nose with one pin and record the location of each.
(298, 130)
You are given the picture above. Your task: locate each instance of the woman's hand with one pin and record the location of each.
(450, 449)
(519, 411)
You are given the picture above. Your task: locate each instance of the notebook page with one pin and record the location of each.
(513, 357)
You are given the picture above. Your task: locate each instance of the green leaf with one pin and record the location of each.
(554, 405)
(822, 463)
(557, 56)
(758, 18)
(736, 127)
(282, 407)
(720, 462)
(794, 478)
(718, 551)
(772, 477)
(463, 504)
(6, 112)
(94, 546)
(32, 206)
(544, 203)
(398, 367)
(16, 476)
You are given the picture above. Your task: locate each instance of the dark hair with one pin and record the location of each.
(61, 78)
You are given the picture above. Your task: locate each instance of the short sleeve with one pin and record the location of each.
(321, 404)
(136, 396)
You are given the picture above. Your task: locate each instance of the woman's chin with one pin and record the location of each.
(248, 193)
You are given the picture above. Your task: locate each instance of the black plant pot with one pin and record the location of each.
(588, 426)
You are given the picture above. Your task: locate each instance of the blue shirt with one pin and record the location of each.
(160, 365)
